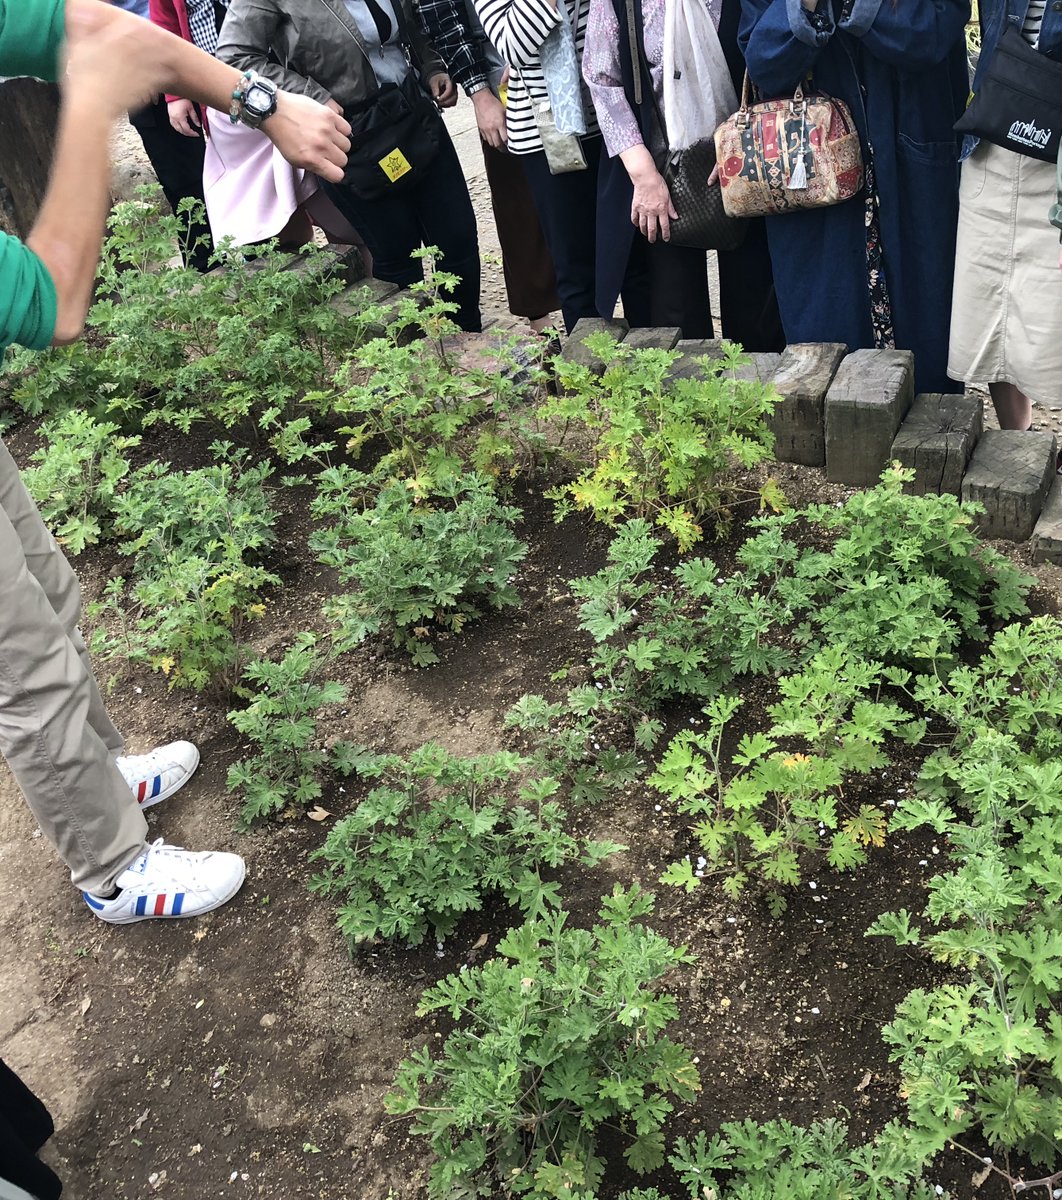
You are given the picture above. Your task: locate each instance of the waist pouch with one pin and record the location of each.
(395, 136)
(1019, 102)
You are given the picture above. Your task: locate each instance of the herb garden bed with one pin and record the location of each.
(249, 1053)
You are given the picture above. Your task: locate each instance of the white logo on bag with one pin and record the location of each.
(1028, 134)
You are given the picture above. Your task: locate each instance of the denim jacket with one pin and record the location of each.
(994, 17)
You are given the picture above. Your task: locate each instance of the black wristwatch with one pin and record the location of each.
(254, 100)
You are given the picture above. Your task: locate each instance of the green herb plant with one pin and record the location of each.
(983, 1054)
(426, 411)
(412, 566)
(80, 470)
(561, 1035)
(786, 804)
(197, 538)
(437, 837)
(281, 719)
(651, 445)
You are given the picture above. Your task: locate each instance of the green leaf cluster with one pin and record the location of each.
(280, 718)
(559, 1036)
(81, 466)
(986, 1054)
(437, 837)
(415, 566)
(787, 802)
(668, 449)
(197, 537)
(749, 1160)
(247, 349)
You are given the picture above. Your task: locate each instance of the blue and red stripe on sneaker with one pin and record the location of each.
(142, 792)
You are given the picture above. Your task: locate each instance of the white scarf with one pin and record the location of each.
(698, 92)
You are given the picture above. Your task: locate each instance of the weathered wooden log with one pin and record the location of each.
(1047, 534)
(802, 379)
(1010, 474)
(936, 440)
(690, 351)
(29, 112)
(663, 338)
(575, 349)
(869, 397)
(760, 368)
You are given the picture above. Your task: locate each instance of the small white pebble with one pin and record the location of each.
(813, 885)
(935, 850)
(699, 874)
(599, 686)
(234, 1176)
(816, 1011)
(900, 791)
(923, 862)
(891, 803)
(819, 921)
(656, 808)
(987, 1160)
(939, 1190)
(731, 920)
(140, 692)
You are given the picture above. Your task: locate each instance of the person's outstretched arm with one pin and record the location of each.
(68, 233)
(308, 134)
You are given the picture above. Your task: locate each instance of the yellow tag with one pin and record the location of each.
(395, 165)
(503, 94)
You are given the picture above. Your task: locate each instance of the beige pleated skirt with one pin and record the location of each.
(1006, 322)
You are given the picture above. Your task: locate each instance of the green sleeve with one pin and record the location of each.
(27, 297)
(31, 33)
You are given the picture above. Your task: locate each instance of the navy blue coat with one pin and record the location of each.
(900, 65)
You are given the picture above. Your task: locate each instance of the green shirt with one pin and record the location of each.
(31, 34)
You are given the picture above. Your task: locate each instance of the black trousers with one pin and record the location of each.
(178, 163)
(567, 211)
(667, 286)
(437, 211)
(25, 1125)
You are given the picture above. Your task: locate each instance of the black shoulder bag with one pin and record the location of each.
(395, 133)
(1019, 103)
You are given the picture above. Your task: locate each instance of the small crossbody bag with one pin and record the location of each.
(1019, 102)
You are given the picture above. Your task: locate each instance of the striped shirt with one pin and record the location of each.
(1030, 30)
(518, 28)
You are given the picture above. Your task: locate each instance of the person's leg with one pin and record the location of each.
(448, 220)
(1013, 407)
(178, 164)
(65, 770)
(49, 567)
(390, 229)
(530, 282)
(747, 301)
(678, 289)
(567, 209)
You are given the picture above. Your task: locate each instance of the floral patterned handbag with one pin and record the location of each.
(778, 156)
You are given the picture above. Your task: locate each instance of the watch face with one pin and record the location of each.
(258, 99)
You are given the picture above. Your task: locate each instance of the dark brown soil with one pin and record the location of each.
(245, 1054)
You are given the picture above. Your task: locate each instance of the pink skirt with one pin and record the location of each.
(252, 192)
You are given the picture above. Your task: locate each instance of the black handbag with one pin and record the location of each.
(395, 136)
(1019, 103)
(702, 222)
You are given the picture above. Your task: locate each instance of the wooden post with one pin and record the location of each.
(29, 111)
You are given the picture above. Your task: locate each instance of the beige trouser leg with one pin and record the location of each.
(54, 728)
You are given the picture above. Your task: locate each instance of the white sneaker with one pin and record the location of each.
(166, 881)
(156, 776)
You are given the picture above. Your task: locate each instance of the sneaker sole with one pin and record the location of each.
(134, 919)
(174, 787)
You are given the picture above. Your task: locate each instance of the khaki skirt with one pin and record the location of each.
(1006, 323)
